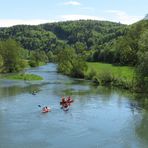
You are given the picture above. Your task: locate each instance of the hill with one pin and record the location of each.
(146, 17)
(88, 34)
(101, 41)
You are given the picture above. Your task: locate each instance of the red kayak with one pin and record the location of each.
(46, 110)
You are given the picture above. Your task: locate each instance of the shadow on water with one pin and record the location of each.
(16, 90)
(141, 128)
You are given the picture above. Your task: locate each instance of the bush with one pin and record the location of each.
(105, 77)
(91, 74)
(33, 63)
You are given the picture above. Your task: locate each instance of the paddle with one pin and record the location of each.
(39, 106)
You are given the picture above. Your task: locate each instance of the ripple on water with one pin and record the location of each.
(98, 118)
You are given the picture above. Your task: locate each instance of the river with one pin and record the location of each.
(100, 117)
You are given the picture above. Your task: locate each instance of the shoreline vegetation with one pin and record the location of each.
(103, 74)
(110, 75)
(28, 77)
(75, 46)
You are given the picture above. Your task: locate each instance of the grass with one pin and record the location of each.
(107, 73)
(118, 71)
(28, 77)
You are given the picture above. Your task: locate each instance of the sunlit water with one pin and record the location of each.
(99, 117)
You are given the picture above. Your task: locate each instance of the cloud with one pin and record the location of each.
(12, 22)
(74, 3)
(114, 15)
(80, 17)
(123, 17)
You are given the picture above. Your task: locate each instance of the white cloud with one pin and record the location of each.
(74, 3)
(12, 22)
(114, 15)
(123, 17)
(80, 17)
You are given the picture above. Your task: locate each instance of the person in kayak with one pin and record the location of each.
(63, 101)
(46, 109)
(69, 100)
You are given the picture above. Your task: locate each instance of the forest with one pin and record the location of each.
(73, 43)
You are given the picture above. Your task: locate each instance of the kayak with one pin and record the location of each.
(46, 110)
(65, 103)
(65, 108)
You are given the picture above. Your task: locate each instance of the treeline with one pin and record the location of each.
(125, 49)
(14, 58)
(45, 42)
(86, 34)
(131, 49)
(31, 37)
(72, 43)
(81, 35)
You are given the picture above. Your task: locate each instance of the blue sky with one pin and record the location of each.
(14, 12)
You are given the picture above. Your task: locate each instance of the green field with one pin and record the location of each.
(105, 74)
(28, 77)
(118, 71)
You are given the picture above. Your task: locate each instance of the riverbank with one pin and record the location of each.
(108, 74)
(29, 77)
(23, 76)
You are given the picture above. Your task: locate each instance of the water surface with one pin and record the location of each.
(100, 117)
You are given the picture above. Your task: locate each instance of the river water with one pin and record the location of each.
(100, 117)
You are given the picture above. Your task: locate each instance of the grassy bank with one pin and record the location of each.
(28, 77)
(107, 74)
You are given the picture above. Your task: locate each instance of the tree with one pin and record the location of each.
(124, 53)
(65, 59)
(1, 61)
(79, 68)
(50, 56)
(11, 54)
(36, 57)
(143, 41)
(142, 66)
(70, 63)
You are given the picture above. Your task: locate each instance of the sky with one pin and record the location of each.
(32, 12)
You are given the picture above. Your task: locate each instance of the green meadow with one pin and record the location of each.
(123, 76)
(119, 71)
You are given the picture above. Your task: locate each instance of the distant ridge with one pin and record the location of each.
(146, 17)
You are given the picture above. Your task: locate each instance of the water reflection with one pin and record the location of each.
(141, 130)
(100, 116)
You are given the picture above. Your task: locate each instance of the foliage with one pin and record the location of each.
(71, 43)
(1, 60)
(79, 67)
(28, 77)
(85, 34)
(70, 63)
(11, 54)
(107, 74)
(36, 57)
(30, 37)
(142, 65)
(51, 56)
